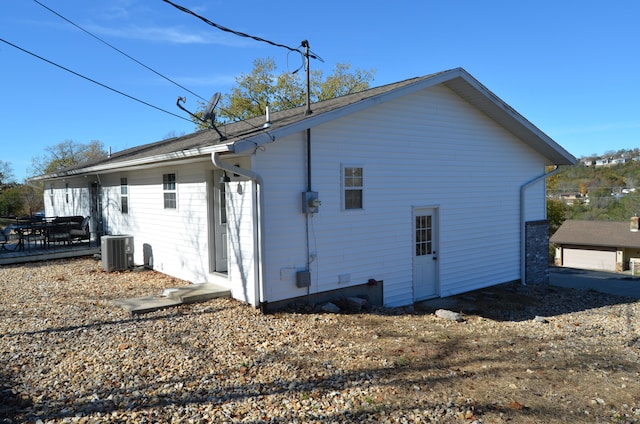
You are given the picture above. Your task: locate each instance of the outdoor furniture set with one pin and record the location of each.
(45, 231)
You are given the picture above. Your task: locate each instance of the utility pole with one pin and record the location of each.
(305, 44)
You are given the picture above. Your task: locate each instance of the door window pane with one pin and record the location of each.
(424, 235)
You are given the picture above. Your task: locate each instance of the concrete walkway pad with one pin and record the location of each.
(141, 305)
(173, 297)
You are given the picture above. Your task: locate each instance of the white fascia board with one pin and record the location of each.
(516, 118)
(182, 157)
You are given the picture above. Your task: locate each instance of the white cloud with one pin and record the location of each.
(174, 35)
(115, 13)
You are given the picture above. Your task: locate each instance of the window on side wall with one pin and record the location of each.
(169, 191)
(124, 195)
(352, 187)
(66, 192)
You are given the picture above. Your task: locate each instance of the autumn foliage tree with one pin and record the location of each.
(263, 87)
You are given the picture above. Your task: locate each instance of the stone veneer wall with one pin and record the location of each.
(537, 252)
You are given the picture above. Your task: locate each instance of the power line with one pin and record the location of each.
(241, 34)
(118, 50)
(93, 81)
(222, 28)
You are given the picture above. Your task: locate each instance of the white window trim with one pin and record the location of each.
(170, 191)
(343, 187)
(125, 195)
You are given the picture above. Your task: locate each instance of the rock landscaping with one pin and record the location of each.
(508, 354)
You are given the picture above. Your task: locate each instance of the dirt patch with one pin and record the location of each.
(520, 355)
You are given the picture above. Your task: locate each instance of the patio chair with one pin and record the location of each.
(5, 238)
(58, 232)
(82, 232)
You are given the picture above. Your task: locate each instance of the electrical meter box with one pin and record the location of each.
(303, 279)
(310, 202)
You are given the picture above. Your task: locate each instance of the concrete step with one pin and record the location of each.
(197, 292)
(173, 297)
(141, 305)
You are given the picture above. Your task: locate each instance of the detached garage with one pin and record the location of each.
(598, 245)
(589, 258)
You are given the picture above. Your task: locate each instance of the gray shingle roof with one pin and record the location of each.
(201, 142)
(232, 132)
(596, 234)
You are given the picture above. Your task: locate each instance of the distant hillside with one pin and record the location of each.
(603, 187)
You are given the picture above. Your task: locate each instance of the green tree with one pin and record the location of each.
(556, 214)
(262, 87)
(343, 82)
(11, 202)
(6, 174)
(66, 154)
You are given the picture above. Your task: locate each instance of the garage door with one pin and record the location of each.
(589, 259)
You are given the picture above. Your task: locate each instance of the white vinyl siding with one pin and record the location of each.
(71, 198)
(241, 233)
(170, 191)
(428, 149)
(177, 239)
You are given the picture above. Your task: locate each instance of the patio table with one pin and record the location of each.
(20, 230)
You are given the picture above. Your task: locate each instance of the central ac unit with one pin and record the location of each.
(117, 253)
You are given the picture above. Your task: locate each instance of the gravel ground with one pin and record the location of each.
(521, 355)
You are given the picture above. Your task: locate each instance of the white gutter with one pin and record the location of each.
(258, 199)
(181, 157)
(523, 187)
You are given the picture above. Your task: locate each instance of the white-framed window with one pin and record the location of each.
(51, 195)
(352, 187)
(66, 192)
(170, 192)
(124, 195)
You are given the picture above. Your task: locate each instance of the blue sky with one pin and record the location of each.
(570, 67)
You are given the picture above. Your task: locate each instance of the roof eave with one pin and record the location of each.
(460, 82)
(183, 156)
(474, 92)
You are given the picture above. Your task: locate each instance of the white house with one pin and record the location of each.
(428, 187)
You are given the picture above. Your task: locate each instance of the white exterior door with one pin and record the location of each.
(425, 265)
(220, 223)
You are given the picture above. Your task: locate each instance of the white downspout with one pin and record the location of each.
(257, 220)
(523, 187)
